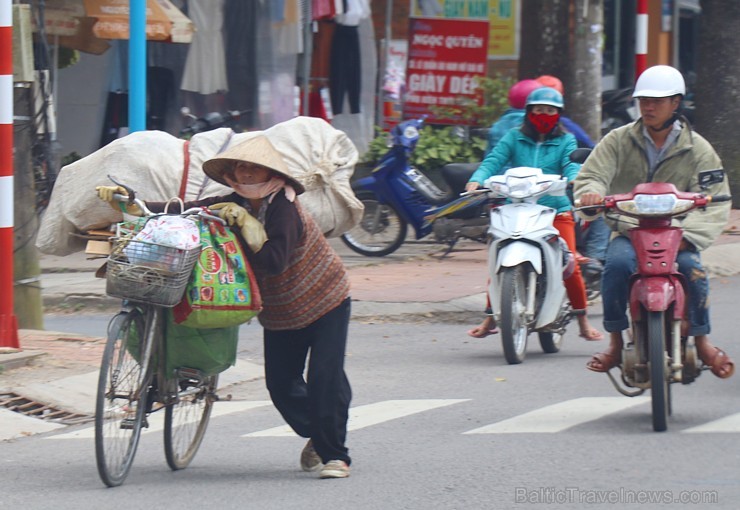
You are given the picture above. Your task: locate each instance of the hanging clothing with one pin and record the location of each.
(345, 67)
(205, 67)
(345, 73)
(327, 9)
(241, 42)
(320, 56)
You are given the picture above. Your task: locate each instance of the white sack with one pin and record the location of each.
(319, 156)
(150, 162)
(323, 159)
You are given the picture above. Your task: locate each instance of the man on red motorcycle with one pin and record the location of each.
(659, 147)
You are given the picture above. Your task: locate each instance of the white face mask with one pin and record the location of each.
(260, 190)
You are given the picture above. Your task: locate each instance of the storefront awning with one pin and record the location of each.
(79, 23)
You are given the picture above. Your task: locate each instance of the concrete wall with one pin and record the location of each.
(81, 99)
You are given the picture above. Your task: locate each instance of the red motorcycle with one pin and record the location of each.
(657, 353)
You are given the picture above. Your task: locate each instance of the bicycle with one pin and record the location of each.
(133, 381)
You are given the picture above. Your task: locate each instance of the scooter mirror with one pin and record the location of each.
(580, 155)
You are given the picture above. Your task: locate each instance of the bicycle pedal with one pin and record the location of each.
(127, 424)
(189, 373)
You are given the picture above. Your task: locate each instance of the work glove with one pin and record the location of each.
(252, 230)
(106, 193)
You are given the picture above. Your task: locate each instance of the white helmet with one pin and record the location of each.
(660, 81)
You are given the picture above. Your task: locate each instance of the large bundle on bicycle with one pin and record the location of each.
(162, 166)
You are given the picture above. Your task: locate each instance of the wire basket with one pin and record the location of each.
(149, 273)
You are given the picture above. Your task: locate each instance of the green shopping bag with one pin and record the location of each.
(210, 350)
(222, 290)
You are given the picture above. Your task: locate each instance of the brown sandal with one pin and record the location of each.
(605, 360)
(718, 364)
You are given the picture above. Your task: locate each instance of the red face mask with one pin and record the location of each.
(542, 122)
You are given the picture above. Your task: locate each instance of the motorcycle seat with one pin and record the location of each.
(457, 175)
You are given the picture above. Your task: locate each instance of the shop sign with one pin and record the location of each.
(502, 16)
(445, 59)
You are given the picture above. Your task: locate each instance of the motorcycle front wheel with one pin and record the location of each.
(660, 395)
(380, 232)
(514, 328)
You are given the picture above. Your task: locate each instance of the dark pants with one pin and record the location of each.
(345, 75)
(319, 406)
(621, 262)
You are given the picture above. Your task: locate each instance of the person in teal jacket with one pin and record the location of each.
(541, 143)
(514, 115)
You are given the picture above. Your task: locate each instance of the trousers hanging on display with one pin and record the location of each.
(345, 72)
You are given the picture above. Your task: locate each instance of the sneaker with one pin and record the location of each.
(335, 469)
(310, 460)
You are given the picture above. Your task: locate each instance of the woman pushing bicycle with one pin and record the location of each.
(305, 295)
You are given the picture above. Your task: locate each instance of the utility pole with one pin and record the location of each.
(27, 270)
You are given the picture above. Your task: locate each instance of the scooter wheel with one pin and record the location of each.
(380, 232)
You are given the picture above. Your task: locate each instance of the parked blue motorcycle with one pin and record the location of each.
(397, 195)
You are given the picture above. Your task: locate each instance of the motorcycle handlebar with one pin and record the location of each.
(212, 120)
(720, 198)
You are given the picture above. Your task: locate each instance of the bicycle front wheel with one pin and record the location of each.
(120, 403)
(186, 420)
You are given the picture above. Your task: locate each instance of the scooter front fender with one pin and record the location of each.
(514, 254)
(657, 294)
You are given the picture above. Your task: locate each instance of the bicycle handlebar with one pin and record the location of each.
(193, 211)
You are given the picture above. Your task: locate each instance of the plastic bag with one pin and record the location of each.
(222, 290)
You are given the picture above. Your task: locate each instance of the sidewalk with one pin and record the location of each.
(414, 282)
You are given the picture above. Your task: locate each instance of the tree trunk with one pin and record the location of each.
(584, 96)
(545, 39)
(717, 91)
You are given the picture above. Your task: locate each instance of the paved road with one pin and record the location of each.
(438, 421)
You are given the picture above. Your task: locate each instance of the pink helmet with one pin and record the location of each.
(520, 90)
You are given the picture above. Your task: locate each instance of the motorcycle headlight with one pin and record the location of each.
(520, 187)
(410, 132)
(655, 205)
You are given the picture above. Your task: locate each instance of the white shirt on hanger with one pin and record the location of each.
(356, 11)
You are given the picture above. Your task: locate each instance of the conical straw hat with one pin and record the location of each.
(258, 150)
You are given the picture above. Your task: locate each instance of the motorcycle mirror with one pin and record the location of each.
(709, 177)
(580, 155)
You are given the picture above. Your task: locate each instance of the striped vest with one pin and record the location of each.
(314, 283)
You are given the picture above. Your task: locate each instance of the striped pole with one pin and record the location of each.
(8, 323)
(641, 38)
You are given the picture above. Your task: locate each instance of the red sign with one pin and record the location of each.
(446, 56)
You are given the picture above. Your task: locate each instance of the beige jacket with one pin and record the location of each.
(619, 162)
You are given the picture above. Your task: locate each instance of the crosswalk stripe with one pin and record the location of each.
(156, 420)
(561, 416)
(371, 414)
(729, 423)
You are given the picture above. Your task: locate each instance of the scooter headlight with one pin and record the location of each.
(411, 132)
(655, 205)
(520, 187)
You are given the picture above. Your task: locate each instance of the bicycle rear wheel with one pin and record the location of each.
(186, 420)
(120, 403)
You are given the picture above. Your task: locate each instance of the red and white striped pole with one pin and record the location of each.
(641, 38)
(8, 323)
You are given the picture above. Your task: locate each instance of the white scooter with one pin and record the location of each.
(527, 261)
